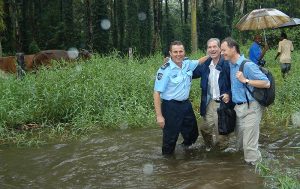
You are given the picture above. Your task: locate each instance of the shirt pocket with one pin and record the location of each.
(176, 79)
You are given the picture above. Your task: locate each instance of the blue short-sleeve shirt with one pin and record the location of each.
(173, 82)
(251, 72)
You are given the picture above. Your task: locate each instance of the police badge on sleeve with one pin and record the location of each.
(159, 76)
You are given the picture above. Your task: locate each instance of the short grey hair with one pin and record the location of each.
(214, 39)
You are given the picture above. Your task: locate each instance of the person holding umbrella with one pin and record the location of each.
(256, 54)
(285, 47)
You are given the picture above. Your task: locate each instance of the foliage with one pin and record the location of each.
(2, 26)
(287, 95)
(277, 176)
(103, 92)
(33, 47)
(77, 23)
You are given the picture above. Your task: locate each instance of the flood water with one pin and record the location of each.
(132, 158)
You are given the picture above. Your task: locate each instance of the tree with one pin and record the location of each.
(157, 17)
(194, 26)
(168, 29)
(145, 27)
(101, 29)
(2, 26)
(89, 24)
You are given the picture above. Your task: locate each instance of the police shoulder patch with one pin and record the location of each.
(159, 76)
(165, 66)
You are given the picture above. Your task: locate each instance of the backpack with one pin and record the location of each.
(264, 96)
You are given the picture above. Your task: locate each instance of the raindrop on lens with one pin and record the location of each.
(296, 119)
(124, 126)
(148, 169)
(78, 68)
(105, 24)
(73, 53)
(142, 16)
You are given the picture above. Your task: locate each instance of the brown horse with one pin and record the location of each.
(34, 61)
(8, 64)
(44, 58)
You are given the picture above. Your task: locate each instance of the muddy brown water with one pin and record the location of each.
(131, 158)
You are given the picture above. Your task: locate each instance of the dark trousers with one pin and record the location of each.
(179, 118)
(285, 68)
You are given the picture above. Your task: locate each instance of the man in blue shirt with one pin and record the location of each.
(256, 54)
(174, 112)
(215, 83)
(248, 110)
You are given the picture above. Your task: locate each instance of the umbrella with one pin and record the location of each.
(262, 19)
(294, 22)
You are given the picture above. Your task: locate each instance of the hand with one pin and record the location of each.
(160, 120)
(225, 98)
(240, 76)
(203, 59)
(166, 59)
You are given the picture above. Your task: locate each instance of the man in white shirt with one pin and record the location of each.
(285, 47)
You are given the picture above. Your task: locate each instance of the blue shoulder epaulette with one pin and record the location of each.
(165, 66)
(186, 58)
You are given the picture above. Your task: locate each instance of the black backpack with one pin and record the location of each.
(264, 96)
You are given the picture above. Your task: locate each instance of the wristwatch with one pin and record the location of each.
(247, 81)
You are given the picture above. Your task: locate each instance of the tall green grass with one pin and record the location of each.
(109, 91)
(102, 92)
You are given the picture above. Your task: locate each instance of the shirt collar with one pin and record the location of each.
(212, 65)
(240, 60)
(174, 65)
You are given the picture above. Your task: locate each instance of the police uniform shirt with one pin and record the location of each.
(173, 82)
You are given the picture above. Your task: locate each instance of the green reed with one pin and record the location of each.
(102, 92)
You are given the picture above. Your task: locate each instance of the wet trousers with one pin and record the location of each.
(247, 130)
(210, 127)
(179, 118)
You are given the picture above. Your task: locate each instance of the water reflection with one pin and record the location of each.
(129, 158)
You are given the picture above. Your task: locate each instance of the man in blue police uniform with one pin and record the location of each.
(248, 110)
(215, 83)
(174, 112)
(256, 54)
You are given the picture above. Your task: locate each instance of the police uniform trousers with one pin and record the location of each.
(179, 118)
(247, 129)
(210, 127)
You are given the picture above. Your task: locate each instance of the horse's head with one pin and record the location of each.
(84, 54)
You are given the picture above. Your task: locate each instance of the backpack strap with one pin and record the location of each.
(242, 70)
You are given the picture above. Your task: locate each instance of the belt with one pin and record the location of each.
(177, 101)
(240, 103)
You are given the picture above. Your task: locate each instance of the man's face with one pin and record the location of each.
(226, 51)
(213, 50)
(258, 40)
(177, 53)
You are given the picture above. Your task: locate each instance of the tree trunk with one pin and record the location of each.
(156, 43)
(194, 26)
(186, 10)
(0, 49)
(90, 25)
(181, 12)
